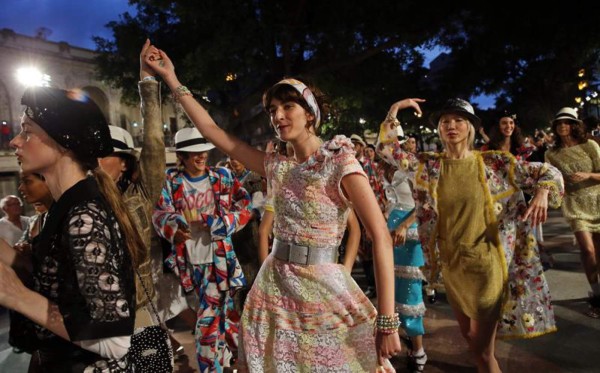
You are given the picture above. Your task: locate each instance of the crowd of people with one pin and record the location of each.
(256, 254)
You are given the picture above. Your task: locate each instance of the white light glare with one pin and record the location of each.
(32, 77)
(362, 121)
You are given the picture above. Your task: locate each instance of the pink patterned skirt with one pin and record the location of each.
(306, 319)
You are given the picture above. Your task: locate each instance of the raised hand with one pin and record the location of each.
(160, 63)
(147, 51)
(404, 104)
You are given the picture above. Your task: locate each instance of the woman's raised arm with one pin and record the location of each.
(252, 158)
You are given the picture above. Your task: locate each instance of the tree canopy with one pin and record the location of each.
(365, 55)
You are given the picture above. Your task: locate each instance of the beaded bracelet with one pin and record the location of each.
(387, 324)
(180, 92)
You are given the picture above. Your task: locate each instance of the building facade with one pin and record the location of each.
(65, 67)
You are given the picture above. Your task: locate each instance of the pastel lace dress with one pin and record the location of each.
(308, 318)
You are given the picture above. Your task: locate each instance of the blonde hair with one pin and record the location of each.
(133, 240)
(470, 136)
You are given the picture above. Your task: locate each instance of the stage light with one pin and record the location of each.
(32, 77)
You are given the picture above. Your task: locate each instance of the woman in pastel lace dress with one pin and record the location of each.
(304, 311)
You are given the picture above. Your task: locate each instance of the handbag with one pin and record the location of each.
(150, 350)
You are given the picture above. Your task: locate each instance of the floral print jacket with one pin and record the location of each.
(527, 311)
(232, 212)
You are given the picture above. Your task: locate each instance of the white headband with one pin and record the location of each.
(308, 96)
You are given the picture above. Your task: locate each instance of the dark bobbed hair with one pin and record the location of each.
(287, 93)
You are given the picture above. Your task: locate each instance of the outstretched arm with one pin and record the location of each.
(388, 147)
(252, 158)
(152, 158)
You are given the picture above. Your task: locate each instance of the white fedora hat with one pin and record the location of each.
(122, 141)
(356, 138)
(567, 113)
(190, 140)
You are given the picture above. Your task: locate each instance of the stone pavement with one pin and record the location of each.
(574, 348)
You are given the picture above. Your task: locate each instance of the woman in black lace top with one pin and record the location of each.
(82, 302)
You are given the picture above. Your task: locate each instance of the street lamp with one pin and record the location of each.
(32, 77)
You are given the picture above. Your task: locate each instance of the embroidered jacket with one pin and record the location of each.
(81, 262)
(232, 212)
(527, 310)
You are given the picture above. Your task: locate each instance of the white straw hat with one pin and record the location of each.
(122, 141)
(190, 140)
(567, 113)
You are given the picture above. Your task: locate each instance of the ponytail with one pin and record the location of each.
(135, 244)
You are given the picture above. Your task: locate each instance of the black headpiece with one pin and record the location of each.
(71, 118)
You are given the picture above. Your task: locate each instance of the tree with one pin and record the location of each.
(362, 53)
(530, 59)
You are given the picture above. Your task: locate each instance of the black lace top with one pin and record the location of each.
(80, 262)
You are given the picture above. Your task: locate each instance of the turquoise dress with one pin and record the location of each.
(407, 258)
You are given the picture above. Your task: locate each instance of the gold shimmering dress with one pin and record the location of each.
(471, 267)
(581, 205)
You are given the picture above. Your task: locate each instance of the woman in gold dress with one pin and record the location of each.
(474, 228)
(579, 161)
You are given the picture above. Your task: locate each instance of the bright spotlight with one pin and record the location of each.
(30, 76)
(362, 121)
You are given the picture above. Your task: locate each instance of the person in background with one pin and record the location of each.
(579, 161)
(408, 256)
(12, 224)
(139, 176)
(506, 136)
(365, 251)
(474, 230)
(5, 134)
(411, 143)
(359, 146)
(245, 241)
(82, 303)
(199, 209)
(285, 325)
(34, 190)
(369, 153)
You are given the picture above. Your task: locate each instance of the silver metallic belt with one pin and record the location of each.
(304, 255)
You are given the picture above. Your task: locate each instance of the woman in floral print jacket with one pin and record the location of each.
(473, 228)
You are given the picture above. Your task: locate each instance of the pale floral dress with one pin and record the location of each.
(308, 318)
